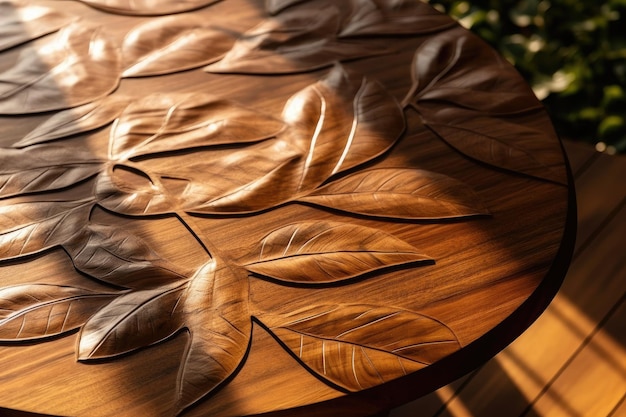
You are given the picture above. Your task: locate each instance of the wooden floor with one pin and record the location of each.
(572, 361)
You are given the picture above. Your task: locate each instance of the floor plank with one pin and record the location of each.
(594, 382)
(620, 409)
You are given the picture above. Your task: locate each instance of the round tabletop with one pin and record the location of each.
(241, 207)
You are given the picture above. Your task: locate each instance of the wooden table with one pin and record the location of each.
(243, 207)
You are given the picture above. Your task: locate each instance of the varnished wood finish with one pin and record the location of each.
(265, 207)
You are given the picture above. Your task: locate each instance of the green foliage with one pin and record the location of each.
(572, 52)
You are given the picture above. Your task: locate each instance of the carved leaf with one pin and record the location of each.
(276, 6)
(222, 181)
(80, 119)
(19, 24)
(440, 74)
(217, 317)
(77, 65)
(327, 252)
(34, 226)
(395, 17)
(148, 7)
(174, 122)
(211, 305)
(134, 193)
(172, 43)
(399, 193)
(119, 257)
(361, 346)
(241, 181)
(36, 311)
(132, 321)
(504, 144)
(480, 113)
(341, 122)
(44, 169)
(302, 39)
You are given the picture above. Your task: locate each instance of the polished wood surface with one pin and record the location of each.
(252, 207)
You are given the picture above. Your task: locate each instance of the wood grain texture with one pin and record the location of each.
(300, 219)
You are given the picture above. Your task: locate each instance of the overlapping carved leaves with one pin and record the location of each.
(245, 162)
(312, 36)
(74, 66)
(480, 112)
(172, 43)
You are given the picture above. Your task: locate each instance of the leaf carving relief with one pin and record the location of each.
(172, 43)
(77, 120)
(312, 36)
(396, 17)
(23, 23)
(120, 258)
(477, 114)
(174, 122)
(276, 6)
(333, 122)
(75, 66)
(360, 346)
(104, 159)
(37, 311)
(328, 252)
(30, 227)
(148, 7)
(296, 40)
(45, 168)
(399, 193)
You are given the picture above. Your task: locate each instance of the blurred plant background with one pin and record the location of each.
(572, 52)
